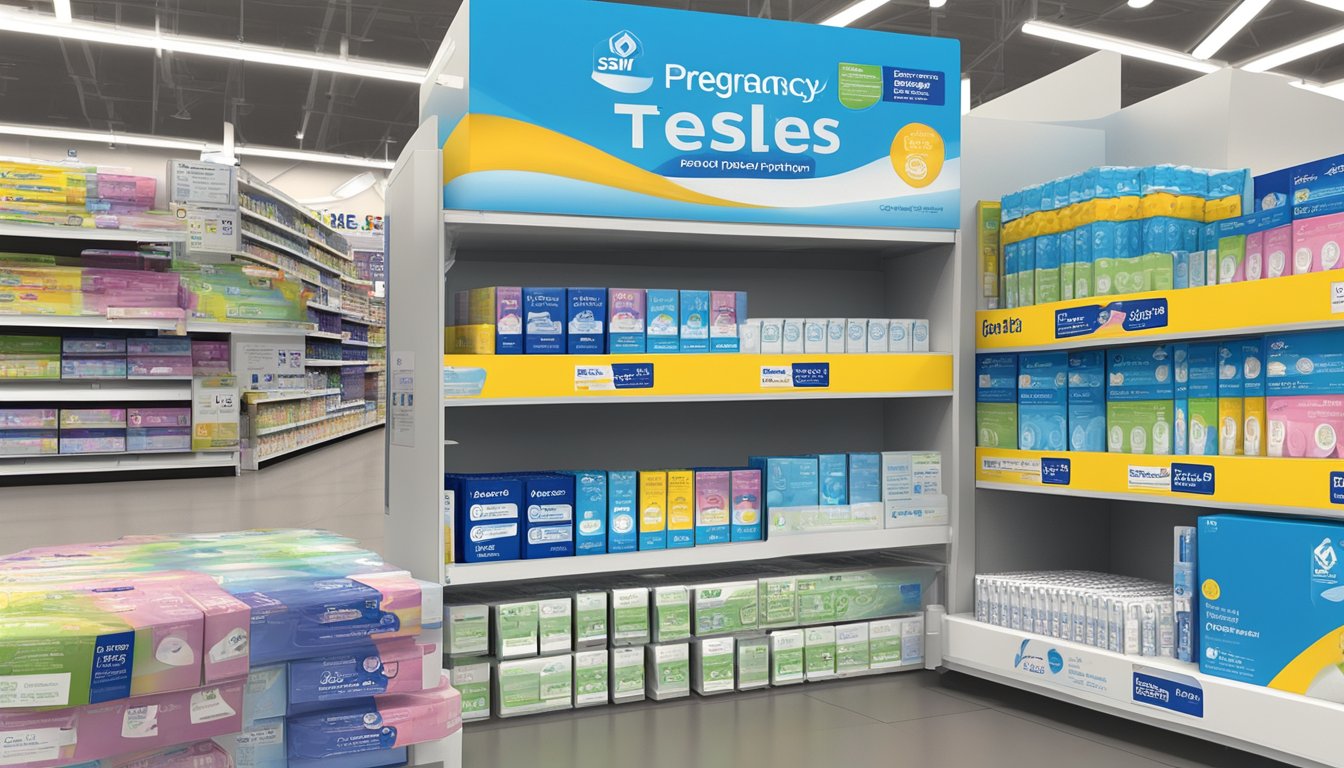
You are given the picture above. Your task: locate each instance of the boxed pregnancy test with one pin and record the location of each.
(591, 675)
(681, 499)
(586, 313)
(713, 491)
(695, 321)
(787, 656)
(627, 675)
(625, 320)
(713, 662)
(667, 670)
(663, 328)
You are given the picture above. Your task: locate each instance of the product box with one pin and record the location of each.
(680, 508)
(76, 441)
(663, 328)
(835, 335)
(471, 678)
(671, 614)
(627, 675)
(1280, 624)
(925, 509)
(1042, 402)
(884, 643)
(1253, 400)
(1142, 427)
(488, 520)
(652, 509)
(1139, 373)
(793, 343)
(912, 640)
(909, 474)
(791, 491)
(622, 511)
(1202, 416)
(590, 512)
(591, 687)
(667, 670)
(695, 321)
(1231, 398)
(724, 608)
(713, 497)
(777, 601)
(1087, 401)
(865, 486)
(586, 315)
(530, 686)
(154, 417)
(749, 332)
(548, 524)
(158, 439)
(851, 649)
(590, 619)
(996, 401)
(517, 629)
(787, 648)
(772, 336)
(877, 335)
(859, 595)
(747, 519)
(900, 335)
(555, 625)
(467, 627)
(819, 653)
(1315, 188)
(856, 336)
(1184, 594)
(753, 663)
(814, 336)
(1047, 269)
(374, 668)
(544, 321)
(1180, 366)
(1305, 426)
(723, 322)
(1082, 262)
(1279, 252)
(1308, 363)
(625, 321)
(28, 442)
(713, 665)
(629, 623)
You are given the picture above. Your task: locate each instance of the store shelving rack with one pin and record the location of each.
(1011, 520)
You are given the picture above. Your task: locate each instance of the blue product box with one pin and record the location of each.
(664, 329)
(1047, 269)
(544, 321)
(1202, 401)
(1087, 401)
(590, 512)
(356, 672)
(789, 485)
(548, 523)
(832, 479)
(1180, 362)
(1281, 623)
(996, 424)
(695, 321)
(1272, 189)
(267, 693)
(622, 529)
(1253, 366)
(327, 737)
(1180, 269)
(625, 320)
(587, 317)
(1318, 188)
(748, 521)
(1310, 363)
(1135, 374)
(742, 307)
(1231, 377)
(865, 485)
(1042, 403)
(486, 510)
(1129, 239)
(1060, 189)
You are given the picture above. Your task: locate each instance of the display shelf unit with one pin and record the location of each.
(1292, 303)
(10, 229)
(1281, 726)
(329, 336)
(247, 181)
(78, 391)
(333, 363)
(144, 461)
(555, 379)
(253, 460)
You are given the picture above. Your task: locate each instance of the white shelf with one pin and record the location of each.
(331, 413)
(288, 250)
(328, 335)
(94, 322)
(250, 328)
(281, 396)
(323, 307)
(273, 265)
(357, 343)
(333, 363)
(327, 439)
(356, 319)
(12, 229)
(1279, 725)
(145, 461)
(142, 390)
(780, 546)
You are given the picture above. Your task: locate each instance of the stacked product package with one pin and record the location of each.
(586, 643)
(835, 335)
(1277, 395)
(261, 648)
(1117, 613)
(78, 196)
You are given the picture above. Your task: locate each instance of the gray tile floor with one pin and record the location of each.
(912, 719)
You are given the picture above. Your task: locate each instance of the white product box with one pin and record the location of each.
(877, 336)
(627, 674)
(835, 335)
(590, 619)
(928, 509)
(629, 623)
(555, 618)
(468, 629)
(920, 335)
(671, 614)
(713, 665)
(753, 663)
(667, 670)
(517, 629)
(787, 647)
(900, 335)
(819, 652)
(851, 649)
(884, 643)
(814, 336)
(793, 336)
(591, 673)
(471, 678)
(772, 336)
(529, 686)
(750, 334)
(912, 640)
(856, 336)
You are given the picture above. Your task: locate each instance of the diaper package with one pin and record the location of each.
(1042, 401)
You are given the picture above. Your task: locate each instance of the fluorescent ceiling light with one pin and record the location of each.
(1230, 26)
(1294, 52)
(965, 95)
(1122, 47)
(1140, 3)
(853, 13)
(299, 155)
(937, 3)
(1334, 90)
(41, 24)
(1334, 5)
(62, 9)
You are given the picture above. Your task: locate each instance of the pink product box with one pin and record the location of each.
(74, 441)
(226, 627)
(1317, 243)
(1254, 264)
(92, 347)
(158, 417)
(158, 439)
(165, 346)
(106, 288)
(28, 418)
(145, 365)
(1278, 251)
(403, 719)
(201, 754)
(209, 351)
(121, 187)
(93, 417)
(93, 368)
(102, 258)
(1305, 426)
(28, 442)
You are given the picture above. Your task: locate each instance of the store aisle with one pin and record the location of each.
(338, 488)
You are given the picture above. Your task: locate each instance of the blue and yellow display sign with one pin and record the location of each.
(603, 109)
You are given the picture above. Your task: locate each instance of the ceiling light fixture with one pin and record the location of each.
(1229, 27)
(853, 13)
(41, 24)
(62, 10)
(937, 3)
(1118, 45)
(1297, 51)
(245, 150)
(965, 95)
(1334, 5)
(1140, 3)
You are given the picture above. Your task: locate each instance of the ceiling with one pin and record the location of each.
(72, 84)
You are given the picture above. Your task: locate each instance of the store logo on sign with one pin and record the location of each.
(616, 63)
(1051, 663)
(1326, 558)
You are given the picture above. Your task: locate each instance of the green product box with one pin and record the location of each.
(590, 678)
(1068, 275)
(1103, 277)
(671, 614)
(713, 665)
(529, 686)
(859, 595)
(590, 619)
(517, 629)
(1047, 285)
(1082, 279)
(777, 598)
(471, 678)
(753, 663)
(819, 652)
(1128, 275)
(1203, 439)
(1011, 297)
(668, 670)
(996, 425)
(786, 656)
(468, 628)
(884, 643)
(1142, 427)
(627, 674)
(1026, 288)
(555, 623)
(724, 608)
(1161, 269)
(629, 616)
(851, 648)
(28, 346)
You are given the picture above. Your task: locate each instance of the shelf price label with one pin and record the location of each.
(796, 376)
(215, 413)
(1115, 319)
(606, 378)
(1192, 478)
(1168, 690)
(1055, 471)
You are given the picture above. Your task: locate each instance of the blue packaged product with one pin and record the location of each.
(1026, 273)
(664, 329)
(1183, 585)
(1139, 373)
(590, 512)
(587, 315)
(1309, 363)
(1067, 271)
(1280, 623)
(1082, 262)
(1087, 401)
(1180, 269)
(1318, 187)
(865, 478)
(1180, 362)
(486, 511)
(548, 522)
(1272, 189)
(267, 693)
(1231, 378)
(789, 488)
(996, 400)
(622, 495)
(1047, 269)
(1129, 239)
(366, 669)
(1042, 403)
(544, 321)
(1202, 402)
(373, 725)
(695, 321)
(832, 479)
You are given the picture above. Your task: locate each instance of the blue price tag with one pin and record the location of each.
(812, 375)
(1056, 471)
(1337, 487)
(632, 375)
(1192, 478)
(113, 658)
(1183, 695)
(1126, 316)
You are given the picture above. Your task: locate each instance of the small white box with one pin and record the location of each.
(627, 674)
(814, 336)
(793, 336)
(667, 670)
(713, 665)
(851, 649)
(899, 333)
(753, 663)
(920, 334)
(786, 656)
(772, 337)
(912, 640)
(591, 675)
(749, 333)
(884, 643)
(929, 509)
(555, 619)
(856, 336)
(877, 336)
(819, 652)
(835, 336)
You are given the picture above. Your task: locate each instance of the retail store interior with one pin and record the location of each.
(499, 383)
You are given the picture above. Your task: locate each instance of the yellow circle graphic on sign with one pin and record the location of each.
(1211, 590)
(917, 154)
